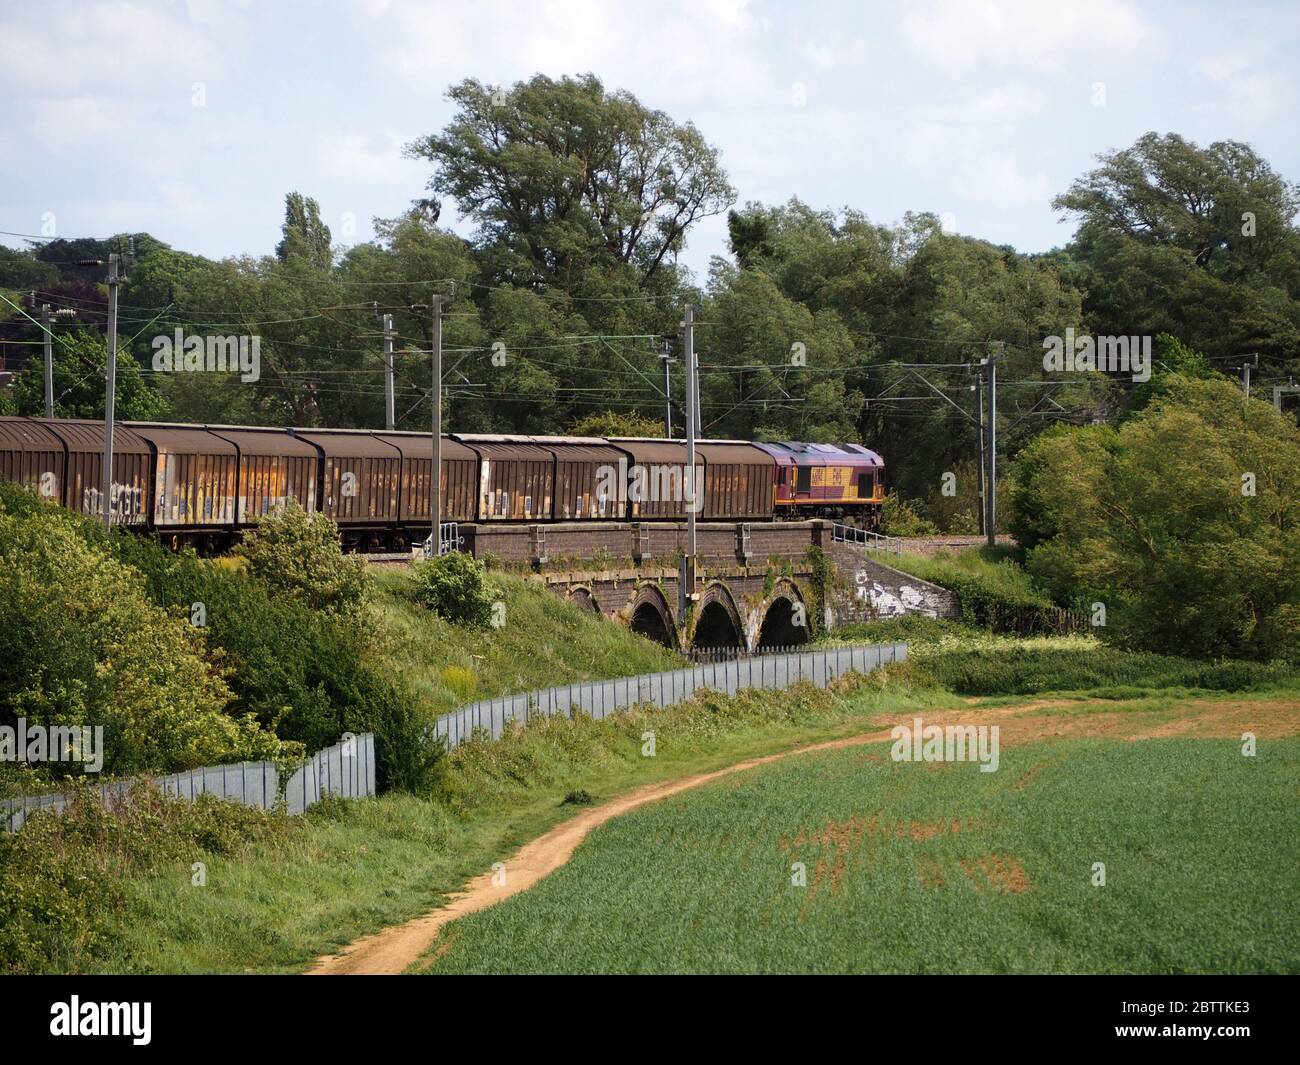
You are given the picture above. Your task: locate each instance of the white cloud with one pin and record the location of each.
(996, 37)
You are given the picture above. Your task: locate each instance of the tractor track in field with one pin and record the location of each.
(394, 949)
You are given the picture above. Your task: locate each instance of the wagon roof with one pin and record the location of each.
(580, 448)
(23, 434)
(505, 447)
(349, 443)
(182, 439)
(652, 449)
(252, 440)
(420, 446)
(85, 435)
(734, 453)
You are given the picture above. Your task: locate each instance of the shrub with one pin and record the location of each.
(81, 643)
(994, 592)
(899, 517)
(298, 552)
(1106, 671)
(305, 673)
(454, 586)
(460, 680)
(306, 676)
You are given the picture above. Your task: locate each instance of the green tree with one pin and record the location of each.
(561, 175)
(304, 233)
(1197, 242)
(79, 359)
(608, 423)
(1185, 525)
(297, 553)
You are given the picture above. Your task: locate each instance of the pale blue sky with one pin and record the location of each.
(978, 111)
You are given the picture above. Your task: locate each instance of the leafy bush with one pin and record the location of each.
(61, 877)
(454, 586)
(298, 552)
(995, 593)
(899, 517)
(309, 675)
(305, 676)
(82, 644)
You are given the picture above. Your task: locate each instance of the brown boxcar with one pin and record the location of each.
(655, 485)
(194, 478)
(583, 467)
(32, 456)
(361, 476)
(83, 443)
(458, 484)
(738, 480)
(274, 469)
(516, 477)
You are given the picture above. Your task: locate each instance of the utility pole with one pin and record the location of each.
(390, 405)
(991, 486)
(692, 413)
(435, 484)
(49, 361)
(110, 387)
(666, 357)
(1246, 367)
(983, 463)
(46, 319)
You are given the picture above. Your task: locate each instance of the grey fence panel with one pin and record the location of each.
(601, 698)
(346, 769)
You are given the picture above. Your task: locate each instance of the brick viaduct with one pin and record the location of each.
(759, 585)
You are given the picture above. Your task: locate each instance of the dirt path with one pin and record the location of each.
(395, 949)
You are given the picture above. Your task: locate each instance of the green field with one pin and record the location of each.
(920, 868)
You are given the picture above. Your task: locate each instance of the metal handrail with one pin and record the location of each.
(873, 541)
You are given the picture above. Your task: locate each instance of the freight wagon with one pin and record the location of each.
(200, 485)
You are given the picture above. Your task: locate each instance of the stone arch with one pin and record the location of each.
(650, 616)
(773, 622)
(717, 621)
(581, 597)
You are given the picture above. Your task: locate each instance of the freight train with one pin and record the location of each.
(200, 485)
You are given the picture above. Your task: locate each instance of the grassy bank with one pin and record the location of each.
(276, 897)
(117, 892)
(544, 641)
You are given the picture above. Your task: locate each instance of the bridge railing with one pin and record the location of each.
(490, 718)
(872, 541)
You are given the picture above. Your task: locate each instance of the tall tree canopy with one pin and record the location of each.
(304, 233)
(561, 175)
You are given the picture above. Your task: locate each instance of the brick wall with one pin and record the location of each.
(626, 542)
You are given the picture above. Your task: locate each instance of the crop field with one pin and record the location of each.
(938, 867)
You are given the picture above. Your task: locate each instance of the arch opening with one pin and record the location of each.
(716, 628)
(647, 621)
(781, 626)
(583, 600)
